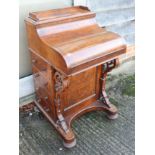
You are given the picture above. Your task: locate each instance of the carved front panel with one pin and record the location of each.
(82, 86)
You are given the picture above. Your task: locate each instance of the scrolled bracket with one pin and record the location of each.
(60, 84)
(107, 67)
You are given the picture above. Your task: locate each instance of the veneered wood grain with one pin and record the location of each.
(72, 43)
(81, 86)
(85, 49)
(87, 26)
(68, 49)
(58, 13)
(39, 63)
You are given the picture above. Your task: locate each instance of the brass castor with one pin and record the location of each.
(69, 145)
(112, 116)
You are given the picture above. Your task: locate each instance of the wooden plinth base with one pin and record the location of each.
(68, 135)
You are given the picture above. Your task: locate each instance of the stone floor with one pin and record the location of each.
(96, 135)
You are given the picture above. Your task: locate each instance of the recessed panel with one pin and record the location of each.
(82, 86)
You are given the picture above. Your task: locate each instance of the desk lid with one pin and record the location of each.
(73, 45)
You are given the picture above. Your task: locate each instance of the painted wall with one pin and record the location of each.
(26, 6)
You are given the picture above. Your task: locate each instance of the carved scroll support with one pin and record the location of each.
(60, 84)
(107, 67)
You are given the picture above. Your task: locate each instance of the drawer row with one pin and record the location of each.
(43, 83)
(44, 92)
(39, 63)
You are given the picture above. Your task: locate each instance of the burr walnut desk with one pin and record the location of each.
(71, 56)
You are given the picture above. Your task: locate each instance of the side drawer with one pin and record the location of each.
(38, 62)
(45, 101)
(45, 106)
(40, 80)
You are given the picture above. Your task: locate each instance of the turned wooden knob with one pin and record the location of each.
(46, 97)
(39, 100)
(34, 61)
(36, 75)
(47, 110)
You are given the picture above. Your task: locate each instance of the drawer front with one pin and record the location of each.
(38, 62)
(41, 81)
(44, 100)
(45, 106)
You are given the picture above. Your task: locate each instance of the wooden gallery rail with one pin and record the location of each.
(71, 56)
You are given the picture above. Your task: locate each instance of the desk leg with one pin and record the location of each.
(61, 83)
(66, 133)
(112, 113)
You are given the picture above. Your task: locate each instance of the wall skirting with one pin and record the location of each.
(26, 90)
(26, 86)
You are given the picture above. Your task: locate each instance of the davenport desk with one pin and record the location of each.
(71, 56)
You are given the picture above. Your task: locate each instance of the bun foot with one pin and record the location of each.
(69, 145)
(112, 116)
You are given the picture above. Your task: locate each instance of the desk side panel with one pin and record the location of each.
(82, 87)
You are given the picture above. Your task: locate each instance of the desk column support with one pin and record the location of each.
(112, 110)
(61, 83)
